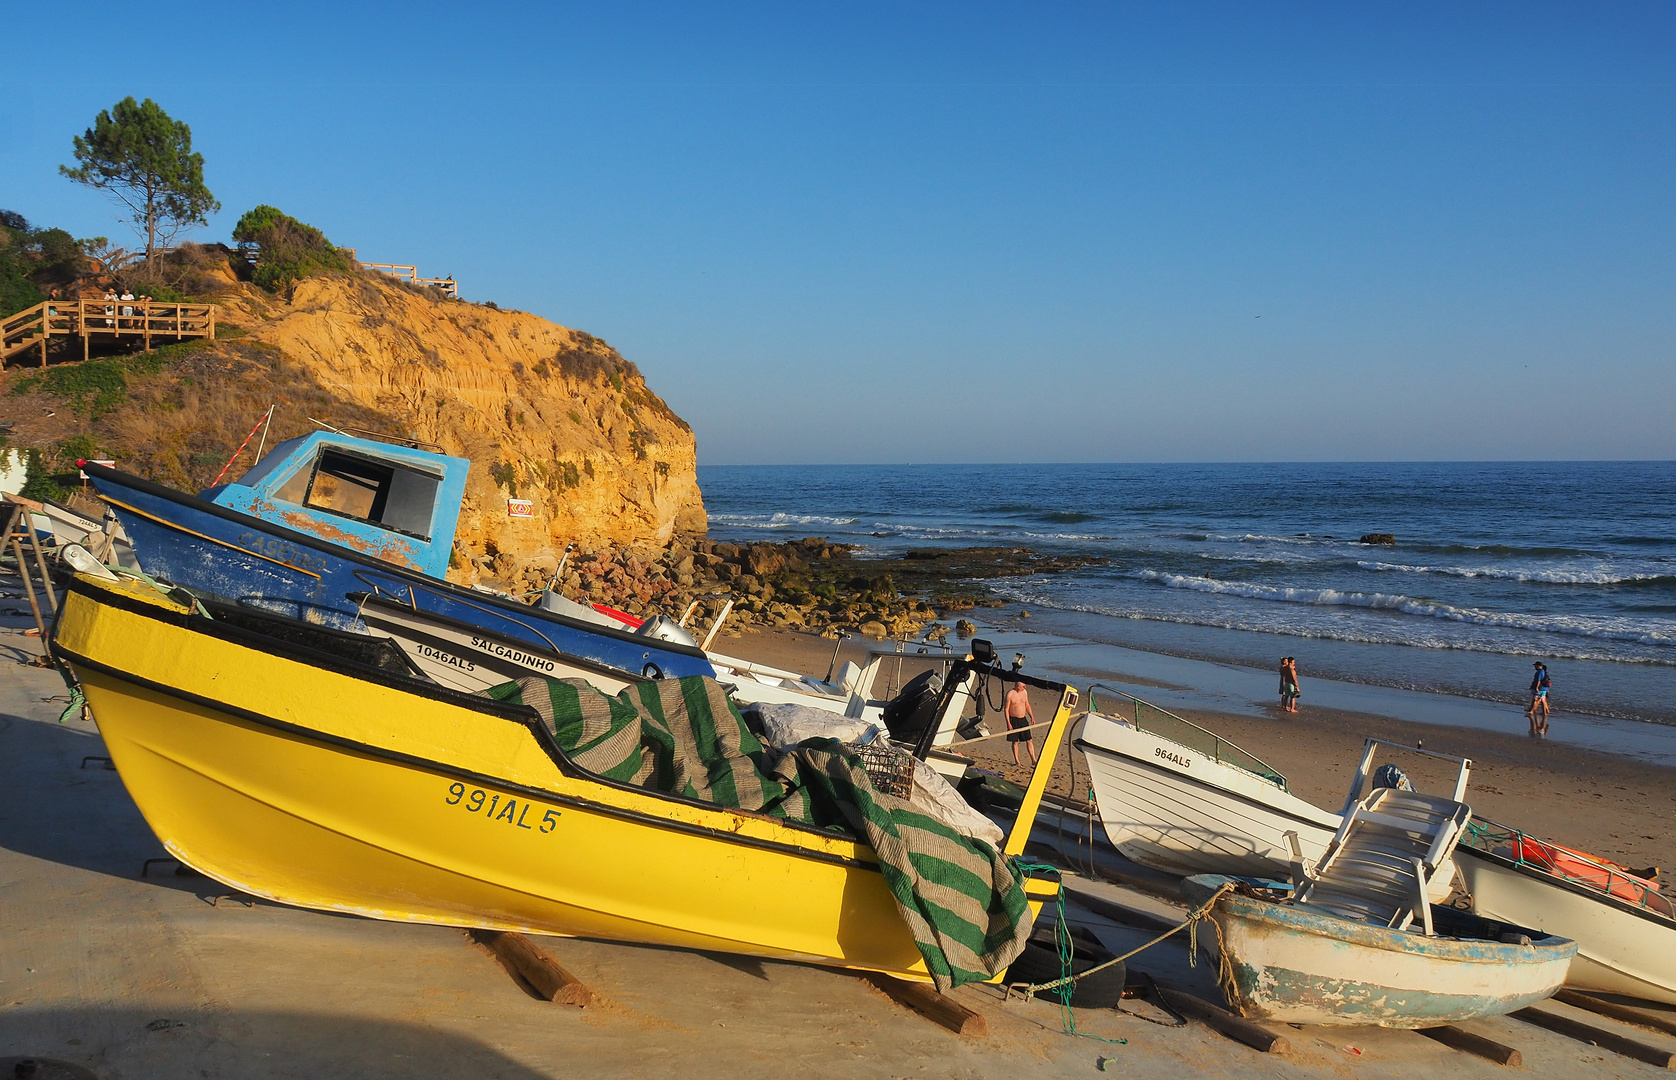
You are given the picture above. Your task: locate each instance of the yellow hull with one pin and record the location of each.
(279, 775)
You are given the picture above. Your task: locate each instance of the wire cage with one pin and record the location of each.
(890, 770)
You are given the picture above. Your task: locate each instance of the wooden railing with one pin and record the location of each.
(411, 273)
(91, 318)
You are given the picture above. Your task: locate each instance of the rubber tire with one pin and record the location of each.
(1039, 963)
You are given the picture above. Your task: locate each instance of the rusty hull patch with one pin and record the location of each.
(387, 548)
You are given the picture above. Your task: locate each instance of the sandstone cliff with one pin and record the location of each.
(544, 413)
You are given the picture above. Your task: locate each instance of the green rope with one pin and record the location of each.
(1066, 986)
(78, 701)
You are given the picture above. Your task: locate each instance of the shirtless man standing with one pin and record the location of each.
(1020, 715)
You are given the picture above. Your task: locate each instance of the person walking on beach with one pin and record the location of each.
(1020, 718)
(1289, 692)
(1540, 685)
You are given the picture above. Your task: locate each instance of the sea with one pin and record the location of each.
(1495, 565)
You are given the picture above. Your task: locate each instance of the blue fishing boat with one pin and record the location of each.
(329, 515)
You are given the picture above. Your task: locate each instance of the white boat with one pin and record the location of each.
(1624, 926)
(1294, 965)
(1179, 798)
(1357, 941)
(471, 658)
(103, 536)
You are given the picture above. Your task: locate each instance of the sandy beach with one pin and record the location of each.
(1604, 803)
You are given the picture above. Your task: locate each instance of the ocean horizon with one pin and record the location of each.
(1495, 565)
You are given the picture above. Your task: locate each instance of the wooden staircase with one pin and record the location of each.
(89, 319)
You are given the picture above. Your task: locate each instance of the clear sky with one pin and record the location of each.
(911, 232)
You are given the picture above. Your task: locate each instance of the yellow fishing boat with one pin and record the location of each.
(279, 767)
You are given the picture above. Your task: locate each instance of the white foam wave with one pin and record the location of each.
(1337, 632)
(1265, 538)
(778, 521)
(1605, 627)
(1597, 576)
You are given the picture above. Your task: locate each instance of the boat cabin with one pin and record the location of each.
(393, 502)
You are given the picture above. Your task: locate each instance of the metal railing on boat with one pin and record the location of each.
(1151, 719)
(1562, 862)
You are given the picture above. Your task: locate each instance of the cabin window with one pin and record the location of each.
(367, 489)
(295, 488)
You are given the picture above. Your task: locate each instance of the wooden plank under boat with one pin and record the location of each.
(1293, 965)
(294, 774)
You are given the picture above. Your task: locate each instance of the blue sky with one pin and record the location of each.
(856, 233)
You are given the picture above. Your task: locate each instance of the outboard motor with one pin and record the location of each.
(664, 628)
(909, 713)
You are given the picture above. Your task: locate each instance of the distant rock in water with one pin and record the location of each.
(964, 629)
(1378, 538)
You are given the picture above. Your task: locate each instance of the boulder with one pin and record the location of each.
(764, 560)
(964, 629)
(874, 629)
(1379, 538)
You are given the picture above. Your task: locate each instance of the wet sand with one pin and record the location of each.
(1608, 804)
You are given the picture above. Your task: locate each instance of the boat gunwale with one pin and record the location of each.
(1296, 919)
(195, 502)
(1579, 888)
(1085, 746)
(1273, 777)
(522, 715)
(381, 604)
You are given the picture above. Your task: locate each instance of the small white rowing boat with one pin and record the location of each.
(1293, 965)
(1357, 940)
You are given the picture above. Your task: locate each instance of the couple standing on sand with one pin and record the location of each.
(1289, 692)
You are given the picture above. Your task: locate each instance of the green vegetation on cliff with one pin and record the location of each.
(290, 249)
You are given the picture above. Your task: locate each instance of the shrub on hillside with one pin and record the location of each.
(290, 250)
(34, 261)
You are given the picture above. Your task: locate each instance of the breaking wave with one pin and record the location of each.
(1552, 577)
(778, 521)
(1604, 627)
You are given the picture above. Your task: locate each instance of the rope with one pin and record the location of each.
(1225, 977)
(242, 445)
(78, 701)
(1062, 938)
(141, 575)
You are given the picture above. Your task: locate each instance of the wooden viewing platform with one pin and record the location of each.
(92, 318)
(411, 273)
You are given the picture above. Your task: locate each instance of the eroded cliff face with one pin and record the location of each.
(543, 412)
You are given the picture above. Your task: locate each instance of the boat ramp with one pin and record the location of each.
(116, 961)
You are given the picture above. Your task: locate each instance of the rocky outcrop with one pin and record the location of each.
(809, 584)
(1380, 539)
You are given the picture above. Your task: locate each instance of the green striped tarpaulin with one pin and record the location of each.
(963, 901)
